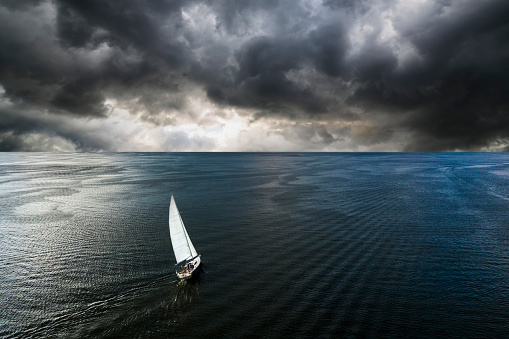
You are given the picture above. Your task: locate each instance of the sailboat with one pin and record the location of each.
(188, 260)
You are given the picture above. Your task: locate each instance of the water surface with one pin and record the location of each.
(352, 245)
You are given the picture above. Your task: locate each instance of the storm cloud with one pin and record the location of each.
(268, 75)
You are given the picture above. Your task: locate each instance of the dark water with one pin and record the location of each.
(306, 245)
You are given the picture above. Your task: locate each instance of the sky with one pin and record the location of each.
(264, 75)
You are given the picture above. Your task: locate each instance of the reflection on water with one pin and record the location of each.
(381, 245)
(184, 293)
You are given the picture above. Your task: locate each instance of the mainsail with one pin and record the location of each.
(182, 245)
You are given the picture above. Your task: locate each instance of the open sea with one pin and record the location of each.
(382, 245)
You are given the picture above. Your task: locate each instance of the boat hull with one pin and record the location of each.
(188, 273)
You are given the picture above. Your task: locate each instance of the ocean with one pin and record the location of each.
(380, 245)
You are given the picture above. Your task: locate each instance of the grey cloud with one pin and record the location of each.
(329, 45)
(343, 4)
(22, 129)
(80, 97)
(74, 30)
(20, 5)
(441, 79)
(72, 77)
(324, 134)
(139, 23)
(261, 80)
(234, 15)
(454, 97)
(377, 63)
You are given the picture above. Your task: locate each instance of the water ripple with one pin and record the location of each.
(300, 245)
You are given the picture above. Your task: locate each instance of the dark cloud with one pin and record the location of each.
(234, 15)
(20, 5)
(263, 63)
(356, 5)
(329, 45)
(434, 72)
(150, 25)
(74, 30)
(23, 130)
(80, 97)
(454, 97)
(261, 79)
(99, 49)
(339, 4)
(378, 63)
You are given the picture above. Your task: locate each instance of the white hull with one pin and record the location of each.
(186, 272)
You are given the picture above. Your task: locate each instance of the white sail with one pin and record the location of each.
(182, 245)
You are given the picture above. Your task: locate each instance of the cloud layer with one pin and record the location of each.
(267, 75)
